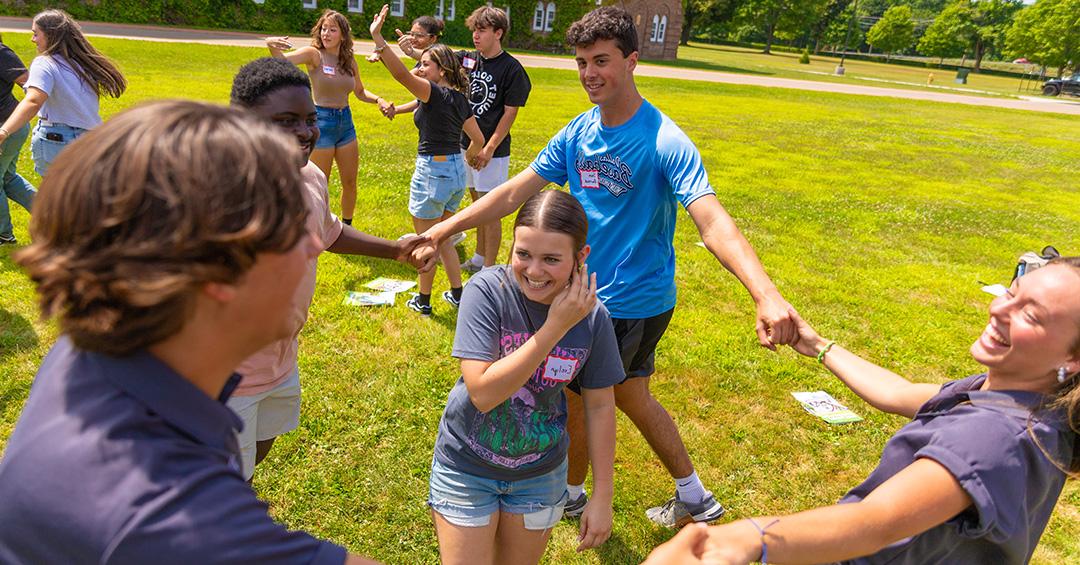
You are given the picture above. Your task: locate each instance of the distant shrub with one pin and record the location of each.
(804, 59)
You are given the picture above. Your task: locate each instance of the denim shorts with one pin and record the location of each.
(438, 185)
(335, 127)
(469, 501)
(44, 150)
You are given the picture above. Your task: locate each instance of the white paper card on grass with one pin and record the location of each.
(824, 406)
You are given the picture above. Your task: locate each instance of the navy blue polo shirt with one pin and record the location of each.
(985, 439)
(122, 460)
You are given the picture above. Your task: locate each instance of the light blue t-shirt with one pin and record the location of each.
(630, 180)
(71, 100)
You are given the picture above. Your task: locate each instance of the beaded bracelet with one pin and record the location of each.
(824, 350)
(764, 548)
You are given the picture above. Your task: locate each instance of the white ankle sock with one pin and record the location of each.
(575, 491)
(477, 259)
(690, 488)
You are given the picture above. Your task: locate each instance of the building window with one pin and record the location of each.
(655, 28)
(663, 30)
(356, 6)
(538, 17)
(507, 10)
(259, 1)
(453, 11)
(549, 19)
(397, 8)
(310, 4)
(439, 9)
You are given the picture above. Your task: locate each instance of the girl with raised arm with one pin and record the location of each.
(442, 111)
(334, 75)
(63, 88)
(975, 475)
(526, 330)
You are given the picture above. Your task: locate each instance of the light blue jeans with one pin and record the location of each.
(45, 150)
(14, 185)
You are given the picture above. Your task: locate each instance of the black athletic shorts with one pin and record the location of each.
(637, 340)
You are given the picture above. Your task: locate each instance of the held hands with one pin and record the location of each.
(595, 524)
(575, 301)
(407, 246)
(687, 547)
(807, 342)
(426, 253)
(386, 107)
(482, 158)
(775, 326)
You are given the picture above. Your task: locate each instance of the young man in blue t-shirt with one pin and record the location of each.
(631, 166)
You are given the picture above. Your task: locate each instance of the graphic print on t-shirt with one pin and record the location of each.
(482, 92)
(604, 171)
(525, 427)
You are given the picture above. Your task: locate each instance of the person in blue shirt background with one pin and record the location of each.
(631, 168)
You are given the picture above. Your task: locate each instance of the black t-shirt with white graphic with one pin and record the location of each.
(495, 83)
(11, 67)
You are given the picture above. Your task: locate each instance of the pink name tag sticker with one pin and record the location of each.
(468, 63)
(560, 369)
(329, 70)
(590, 179)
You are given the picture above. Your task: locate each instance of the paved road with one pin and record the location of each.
(213, 37)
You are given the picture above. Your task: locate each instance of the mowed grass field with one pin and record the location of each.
(781, 64)
(876, 218)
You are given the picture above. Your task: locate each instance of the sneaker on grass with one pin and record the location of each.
(448, 296)
(574, 508)
(470, 267)
(675, 513)
(415, 306)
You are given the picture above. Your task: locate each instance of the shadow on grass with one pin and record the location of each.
(615, 550)
(16, 333)
(705, 66)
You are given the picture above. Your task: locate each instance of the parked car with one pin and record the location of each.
(1022, 61)
(1064, 85)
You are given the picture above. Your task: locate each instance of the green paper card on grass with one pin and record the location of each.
(824, 406)
(369, 298)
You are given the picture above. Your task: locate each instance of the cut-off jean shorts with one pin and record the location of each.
(468, 501)
(335, 127)
(437, 187)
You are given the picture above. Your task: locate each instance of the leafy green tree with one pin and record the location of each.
(1047, 33)
(698, 14)
(837, 31)
(947, 36)
(894, 32)
(779, 18)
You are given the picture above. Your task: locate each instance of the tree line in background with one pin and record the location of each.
(1045, 33)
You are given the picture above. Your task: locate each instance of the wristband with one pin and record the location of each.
(824, 350)
(379, 49)
(764, 548)
(4, 132)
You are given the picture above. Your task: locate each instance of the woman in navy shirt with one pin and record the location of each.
(975, 475)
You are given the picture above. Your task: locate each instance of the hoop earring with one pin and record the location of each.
(1061, 374)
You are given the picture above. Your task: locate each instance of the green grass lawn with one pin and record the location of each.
(874, 216)
(867, 73)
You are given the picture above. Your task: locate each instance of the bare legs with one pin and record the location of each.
(348, 161)
(504, 540)
(649, 416)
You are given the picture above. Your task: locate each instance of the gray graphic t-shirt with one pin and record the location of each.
(525, 436)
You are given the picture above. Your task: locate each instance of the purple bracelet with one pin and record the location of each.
(764, 548)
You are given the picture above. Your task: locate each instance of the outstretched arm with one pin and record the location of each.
(723, 238)
(28, 108)
(306, 55)
(355, 242)
(918, 498)
(420, 88)
(366, 95)
(878, 386)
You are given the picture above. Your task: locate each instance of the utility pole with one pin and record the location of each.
(851, 24)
